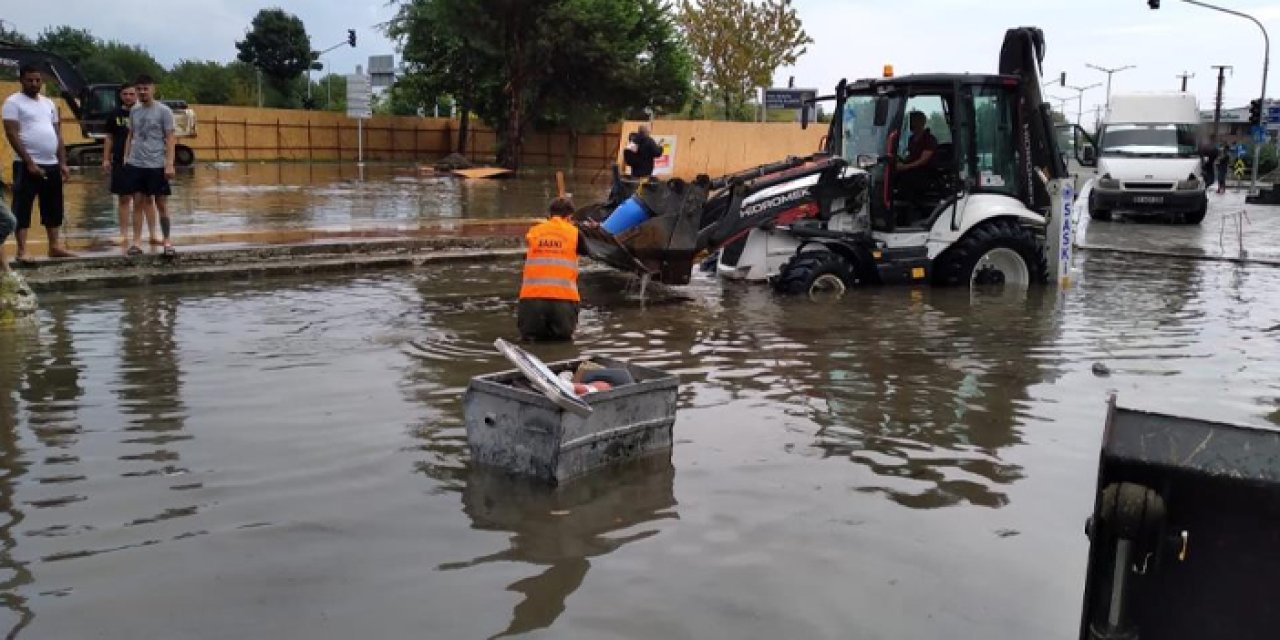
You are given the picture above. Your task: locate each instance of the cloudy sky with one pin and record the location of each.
(852, 38)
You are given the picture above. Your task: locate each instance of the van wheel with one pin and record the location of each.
(1195, 217)
(1096, 213)
(994, 253)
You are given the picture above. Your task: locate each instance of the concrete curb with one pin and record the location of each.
(260, 262)
(1268, 262)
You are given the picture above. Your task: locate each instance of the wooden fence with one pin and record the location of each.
(227, 133)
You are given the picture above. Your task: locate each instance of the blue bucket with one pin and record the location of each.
(628, 215)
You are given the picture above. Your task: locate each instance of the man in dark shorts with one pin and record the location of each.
(117, 131)
(148, 160)
(31, 125)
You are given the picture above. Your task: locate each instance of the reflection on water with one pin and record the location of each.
(15, 573)
(290, 455)
(561, 529)
(212, 198)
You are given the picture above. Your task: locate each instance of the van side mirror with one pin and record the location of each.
(1086, 148)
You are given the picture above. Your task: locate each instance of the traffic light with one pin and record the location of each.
(351, 37)
(1255, 112)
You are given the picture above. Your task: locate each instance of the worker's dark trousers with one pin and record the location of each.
(540, 319)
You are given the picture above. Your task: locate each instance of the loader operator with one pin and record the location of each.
(548, 307)
(913, 177)
(921, 146)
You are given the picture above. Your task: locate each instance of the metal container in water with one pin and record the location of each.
(516, 427)
(1185, 533)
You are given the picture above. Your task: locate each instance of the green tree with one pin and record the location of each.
(277, 44)
(520, 63)
(128, 61)
(444, 61)
(201, 81)
(76, 45)
(621, 58)
(331, 92)
(739, 44)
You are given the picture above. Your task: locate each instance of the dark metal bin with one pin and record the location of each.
(1185, 533)
(522, 431)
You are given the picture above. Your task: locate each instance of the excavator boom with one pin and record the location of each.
(75, 89)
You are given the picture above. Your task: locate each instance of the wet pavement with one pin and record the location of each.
(287, 458)
(1231, 230)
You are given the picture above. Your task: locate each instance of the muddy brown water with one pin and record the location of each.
(220, 197)
(288, 459)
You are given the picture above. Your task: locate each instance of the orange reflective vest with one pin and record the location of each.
(551, 261)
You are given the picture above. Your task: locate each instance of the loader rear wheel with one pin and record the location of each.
(817, 274)
(994, 253)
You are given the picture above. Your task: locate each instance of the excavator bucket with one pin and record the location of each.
(663, 246)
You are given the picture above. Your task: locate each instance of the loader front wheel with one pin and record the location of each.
(817, 274)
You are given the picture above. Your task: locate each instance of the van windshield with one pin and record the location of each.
(1149, 140)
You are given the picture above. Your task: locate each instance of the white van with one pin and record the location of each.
(1149, 158)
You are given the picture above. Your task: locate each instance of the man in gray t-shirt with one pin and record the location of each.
(148, 161)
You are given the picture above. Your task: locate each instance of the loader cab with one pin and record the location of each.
(99, 103)
(971, 118)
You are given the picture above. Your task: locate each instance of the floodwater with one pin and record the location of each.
(288, 458)
(214, 198)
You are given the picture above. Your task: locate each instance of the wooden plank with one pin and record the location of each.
(482, 172)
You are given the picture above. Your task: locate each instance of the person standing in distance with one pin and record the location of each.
(640, 153)
(31, 125)
(149, 155)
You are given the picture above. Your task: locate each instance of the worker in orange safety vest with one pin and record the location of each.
(548, 307)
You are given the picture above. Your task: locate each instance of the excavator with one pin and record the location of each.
(991, 208)
(92, 104)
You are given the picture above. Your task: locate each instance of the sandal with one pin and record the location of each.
(170, 252)
(134, 250)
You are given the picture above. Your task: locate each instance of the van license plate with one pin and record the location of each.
(1148, 199)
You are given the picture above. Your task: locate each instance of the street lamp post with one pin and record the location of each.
(1062, 105)
(1080, 99)
(1266, 63)
(1109, 72)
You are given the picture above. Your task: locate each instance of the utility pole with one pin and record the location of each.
(1184, 75)
(1266, 64)
(1080, 98)
(1109, 72)
(1217, 101)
